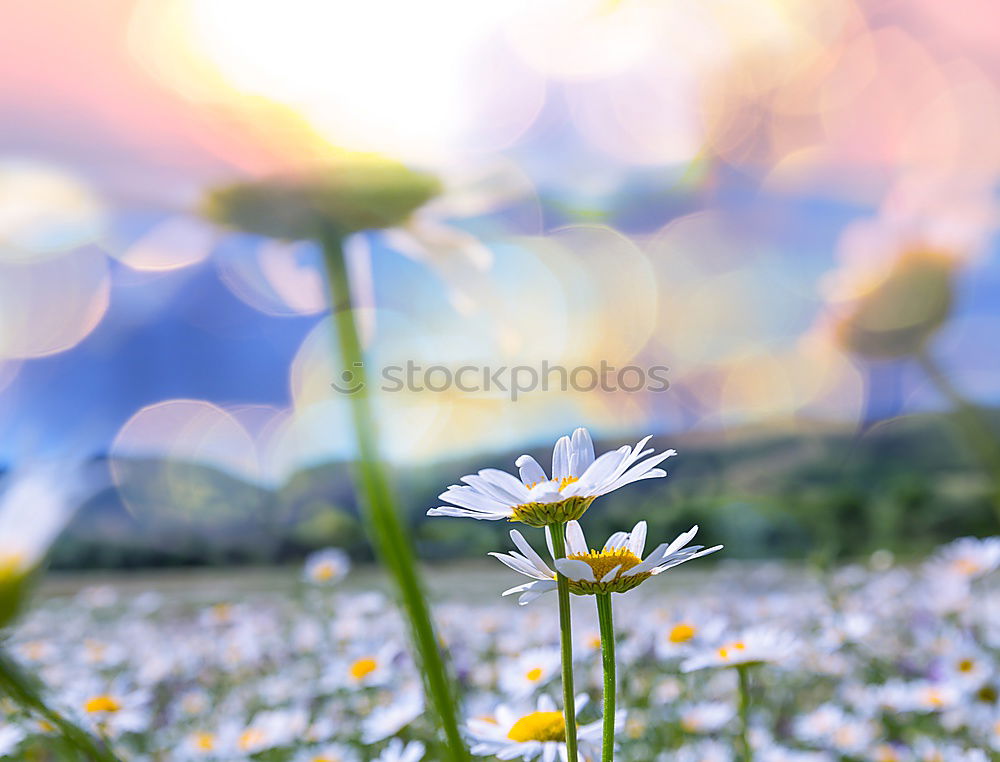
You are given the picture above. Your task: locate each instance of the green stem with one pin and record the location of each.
(972, 420)
(392, 544)
(558, 537)
(606, 620)
(745, 750)
(21, 689)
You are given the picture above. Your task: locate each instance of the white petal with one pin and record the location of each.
(531, 472)
(530, 553)
(575, 541)
(560, 459)
(575, 570)
(637, 539)
(617, 540)
(581, 453)
(651, 562)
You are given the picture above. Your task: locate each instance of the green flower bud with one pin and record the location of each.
(898, 316)
(359, 194)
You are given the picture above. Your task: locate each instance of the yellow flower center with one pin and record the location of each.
(203, 741)
(594, 641)
(603, 561)
(362, 668)
(726, 652)
(534, 675)
(323, 572)
(966, 665)
(682, 633)
(934, 697)
(966, 566)
(251, 738)
(539, 726)
(12, 565)
(101, 704)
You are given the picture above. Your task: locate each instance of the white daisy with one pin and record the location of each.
(515, 734)
(578, 478)
(617, 568)
(525, 674)
(397, 752)
(326, 566)
(758, 645)
(968, 557)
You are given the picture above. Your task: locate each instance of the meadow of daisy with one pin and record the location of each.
(556, 380)
(877, 662)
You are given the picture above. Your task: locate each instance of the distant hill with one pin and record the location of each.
(904, 485)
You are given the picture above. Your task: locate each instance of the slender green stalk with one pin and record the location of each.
(971, 419)
(606, 620)
(746, 752)
(558, 537)
(20, 688)
(390, 539)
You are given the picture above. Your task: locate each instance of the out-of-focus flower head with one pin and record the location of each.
(357, 193)
(33, 510)
(327, 566)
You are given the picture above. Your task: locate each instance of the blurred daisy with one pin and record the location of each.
(385, 721)
(33, 510)
(327, 566)
(706, 717)
(617, 568)
(512, 734)
(755, 646)
(536, 499)
(397, 752)
(968, 557)
(528, 672)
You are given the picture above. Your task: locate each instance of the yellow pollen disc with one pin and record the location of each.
(101, 704)
(603, 561)
(12, 565)
(682, 633)
(934, 698)
(966, 566)
(323, 759)
(539, 726)
(966, 665)
(251, 738)
(726, 651)
(567, 480)
(594, 641)
(362, 668)
(323, 572)
(534, 675)
(46, 727)
(204, 741)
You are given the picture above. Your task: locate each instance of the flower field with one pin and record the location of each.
(876, 662)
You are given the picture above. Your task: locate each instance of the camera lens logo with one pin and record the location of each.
(350, 381)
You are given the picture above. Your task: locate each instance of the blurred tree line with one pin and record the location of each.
(904, 485)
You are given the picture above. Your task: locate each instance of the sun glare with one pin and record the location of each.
(389, 76)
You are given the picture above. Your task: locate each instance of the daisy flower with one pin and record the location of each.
(326, 566)
(397, 752)
(513, 734)
(532, 669)
(759, 645)
(968, 557)
(578, 478)
(617, 568)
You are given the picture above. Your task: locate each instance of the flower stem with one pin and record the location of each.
(606, 620)
(558, 537)
(390, 539)
(19, 687)
(746, 752)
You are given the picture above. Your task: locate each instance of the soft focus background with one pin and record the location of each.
(791, 205)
